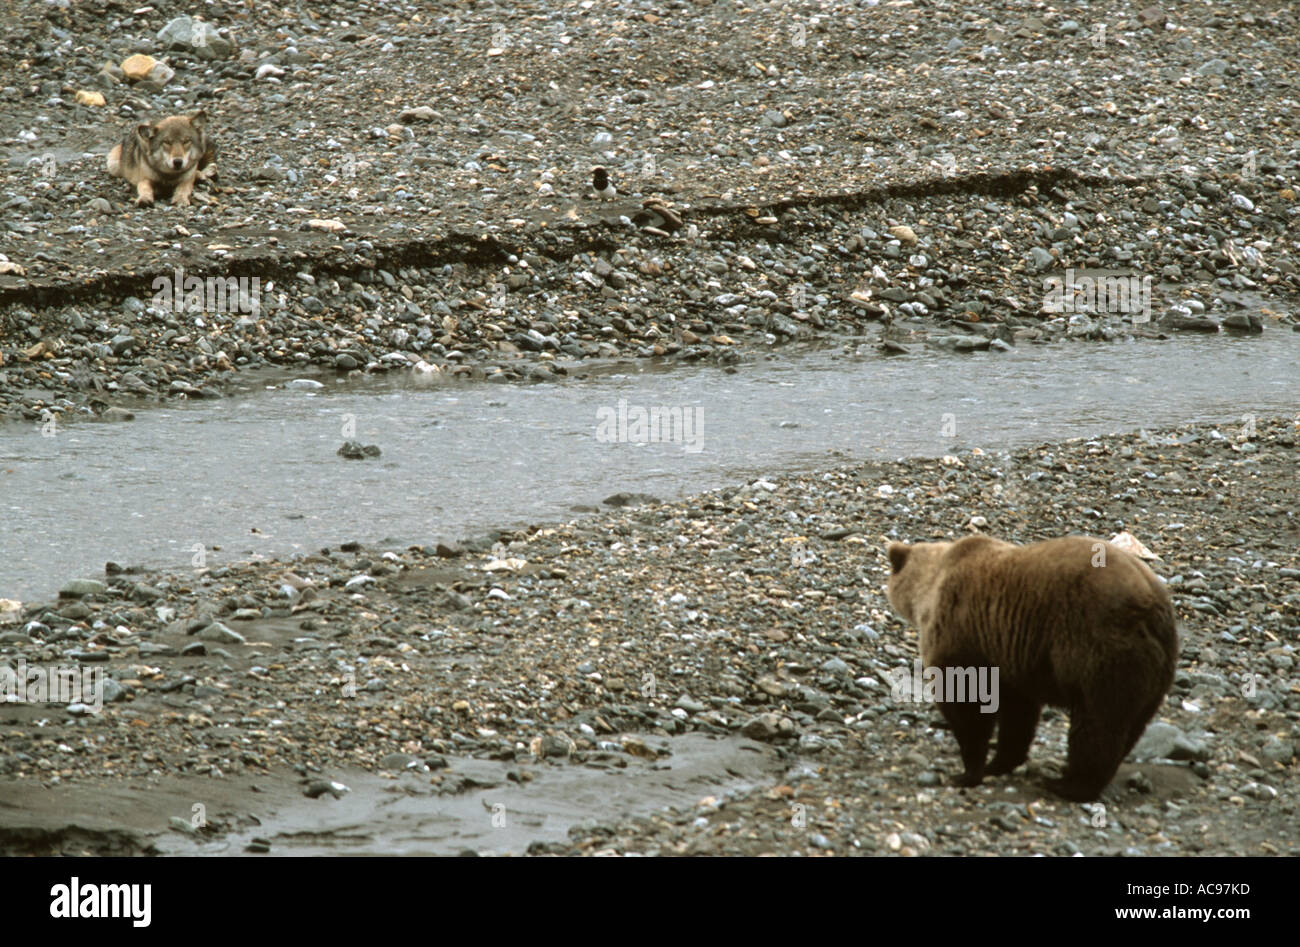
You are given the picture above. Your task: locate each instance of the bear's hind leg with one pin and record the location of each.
(1017, 722)
(972, 730)
(1098, 743)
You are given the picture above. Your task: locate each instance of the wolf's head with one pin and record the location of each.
(174, 145)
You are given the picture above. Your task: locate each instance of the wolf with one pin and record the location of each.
(166, 157)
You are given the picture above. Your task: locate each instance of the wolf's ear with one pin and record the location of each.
(898, 553)
(145, 131)
(199, 119)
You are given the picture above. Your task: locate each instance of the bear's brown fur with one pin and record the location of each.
(1075, 623)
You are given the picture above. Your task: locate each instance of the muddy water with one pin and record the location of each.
(396, 814)
(496, 815)
(257, 475)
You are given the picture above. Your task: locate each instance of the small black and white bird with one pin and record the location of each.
(602, 185)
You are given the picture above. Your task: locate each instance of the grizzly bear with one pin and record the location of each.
(1076, 623)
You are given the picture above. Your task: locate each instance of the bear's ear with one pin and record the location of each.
(898, 553)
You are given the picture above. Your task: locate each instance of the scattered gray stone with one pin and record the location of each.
(420, 113)
(619, 500)
(202, 39)
(155, 649)
(690, 704)
(89, 657)
(555, 746)
(837, 667)
(769, 727)
(78, 588)
(319, 787)
(220, 633)
(1277, 749)
(1153, 17)
(1165, 741)
(1243, 322)
(354, 450)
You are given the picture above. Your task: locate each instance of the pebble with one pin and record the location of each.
(196, 37)
(1165, 741)
(137, 67)
(837, 667)
(320, 787)
(904, 233)
(354, 450)
(78, 588)
(217, 632)
(690, 704)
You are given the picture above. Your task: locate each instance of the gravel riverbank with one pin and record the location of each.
(404, 187)
(754, 612)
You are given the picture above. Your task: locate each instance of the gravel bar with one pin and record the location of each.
(406, 186)
(756, 610)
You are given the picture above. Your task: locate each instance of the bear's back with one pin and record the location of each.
(1046, 611)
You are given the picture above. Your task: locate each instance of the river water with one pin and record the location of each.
(258, 475)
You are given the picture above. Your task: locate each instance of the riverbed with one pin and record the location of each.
(258, 474)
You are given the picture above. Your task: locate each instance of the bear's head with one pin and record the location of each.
(912, 573)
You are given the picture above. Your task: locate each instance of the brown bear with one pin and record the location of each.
(1075, 622)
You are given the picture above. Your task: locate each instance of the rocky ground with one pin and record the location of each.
(404, 187)
(756, 610)
(407, 183)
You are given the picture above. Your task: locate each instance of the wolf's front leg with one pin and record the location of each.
(181, 197)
